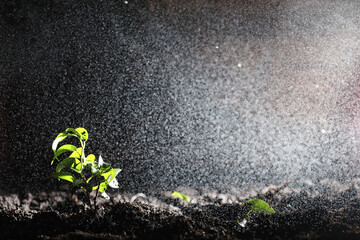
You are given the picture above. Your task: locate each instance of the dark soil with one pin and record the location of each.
(60, 215)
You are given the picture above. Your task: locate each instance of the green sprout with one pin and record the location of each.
(257, 206)
(89, 175)
(181, 196)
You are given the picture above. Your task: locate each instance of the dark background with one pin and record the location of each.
(215, 94)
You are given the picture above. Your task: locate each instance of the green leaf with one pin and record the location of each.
(110, 175)
(104, 168)
(72, 132)
(113, 182)
(258, 206)
(102, 187)
(78, 183)
(107, 174)
(58, 139)
(181, 196)
(90, 159)
(114, 173)
(80, 133)
(77, 153)
(64, 175)
(83, 133)
(72, 163)
(64, 148)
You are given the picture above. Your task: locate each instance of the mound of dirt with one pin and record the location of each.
(60, 215)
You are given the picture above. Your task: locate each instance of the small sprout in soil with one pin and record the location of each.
(89, 174)
(257, 206)
(181, 196)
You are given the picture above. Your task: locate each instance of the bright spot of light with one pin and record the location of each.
(323, 131)
(126, 2)
(239, 65)
(243, 222)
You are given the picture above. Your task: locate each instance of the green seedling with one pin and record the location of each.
(86, 173)
(181, 196)
(257, 206)
(260, 206)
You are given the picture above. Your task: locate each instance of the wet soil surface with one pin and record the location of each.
(209, 215)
